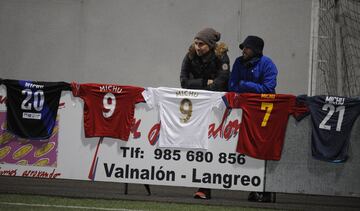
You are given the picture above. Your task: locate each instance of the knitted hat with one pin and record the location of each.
(209, 36)
(254, 43)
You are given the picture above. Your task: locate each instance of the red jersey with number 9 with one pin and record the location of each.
(108, 108)
(264, 122)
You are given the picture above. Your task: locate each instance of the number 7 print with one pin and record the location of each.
(268, 107)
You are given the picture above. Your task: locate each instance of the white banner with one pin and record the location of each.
(138, 160)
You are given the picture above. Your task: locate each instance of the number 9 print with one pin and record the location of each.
(109, 103)
(186, 109)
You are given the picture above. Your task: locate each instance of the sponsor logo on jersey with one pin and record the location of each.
(28, 115)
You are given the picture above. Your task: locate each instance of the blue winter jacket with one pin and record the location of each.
(260, 78)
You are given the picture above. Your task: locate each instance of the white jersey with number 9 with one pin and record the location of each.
(184, 115)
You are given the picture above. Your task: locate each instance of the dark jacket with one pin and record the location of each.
(256, 76)
(196, 71)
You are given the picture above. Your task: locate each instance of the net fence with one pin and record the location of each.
(338, 54)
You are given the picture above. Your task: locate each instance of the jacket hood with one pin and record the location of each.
(220, 49)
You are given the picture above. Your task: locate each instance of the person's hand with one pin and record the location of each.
(209, 82)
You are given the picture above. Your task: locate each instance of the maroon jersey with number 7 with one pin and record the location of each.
(108, 108)
(264, 122)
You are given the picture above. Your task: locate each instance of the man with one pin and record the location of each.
(206, 66)
(254, 73)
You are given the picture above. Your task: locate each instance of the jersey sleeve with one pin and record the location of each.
(234, 100)
(138, 95)
(300, 109)
(75, 89)
(228, 99)
(219, 103)
(66, 86)
(149, 95)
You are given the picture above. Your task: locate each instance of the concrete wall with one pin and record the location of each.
(143, 42)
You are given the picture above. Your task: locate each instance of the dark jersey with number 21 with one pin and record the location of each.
(332, 120)
(32, 107)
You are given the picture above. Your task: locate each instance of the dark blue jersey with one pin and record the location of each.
(332, 120)
(32, 107)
